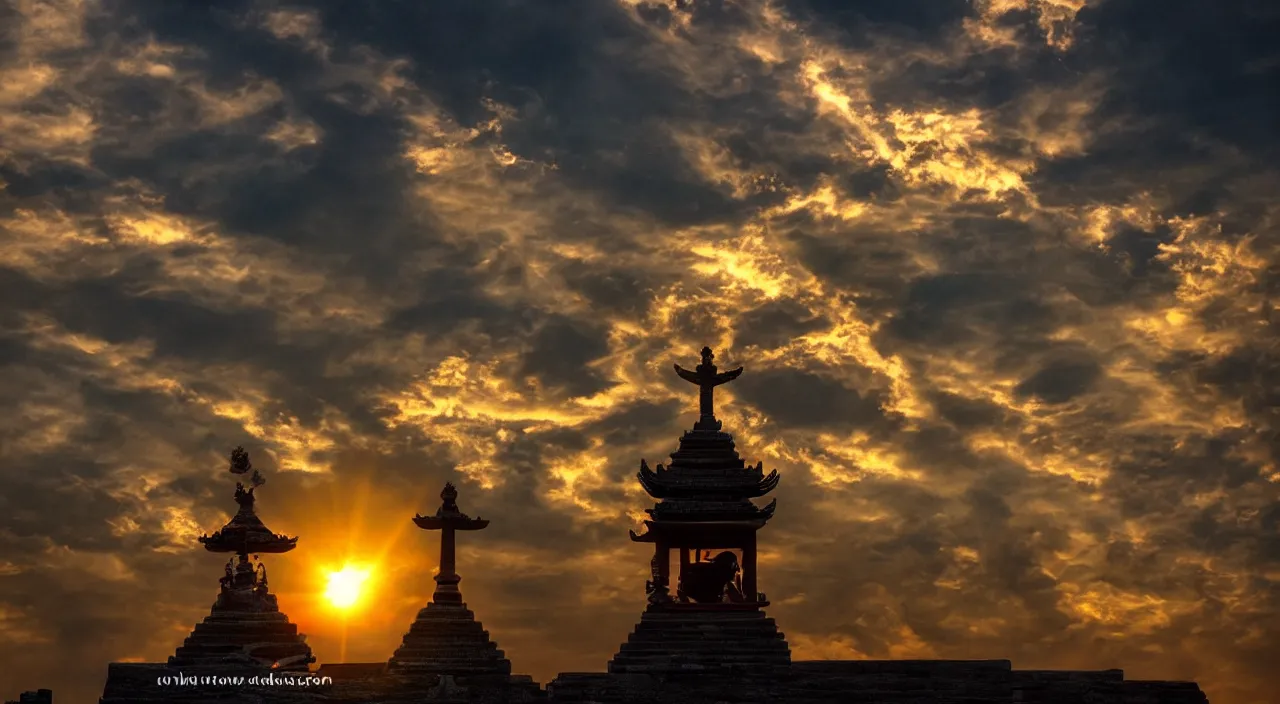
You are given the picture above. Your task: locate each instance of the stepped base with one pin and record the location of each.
(674, 640)
(445, 639)
(245, 629)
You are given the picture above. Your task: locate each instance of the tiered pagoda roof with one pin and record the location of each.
(706, 480)
(246, 533)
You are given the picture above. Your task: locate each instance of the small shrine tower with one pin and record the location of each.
(445, 644)
(715, 620)
(245, 626)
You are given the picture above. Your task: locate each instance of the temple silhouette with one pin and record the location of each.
(709, 641)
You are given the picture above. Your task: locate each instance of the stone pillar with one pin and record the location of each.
(447, 578)
(749, 568)
(662, 551)
(706, 407)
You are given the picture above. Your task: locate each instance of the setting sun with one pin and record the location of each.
(345, 586)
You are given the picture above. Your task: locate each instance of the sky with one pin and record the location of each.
(1000, 273)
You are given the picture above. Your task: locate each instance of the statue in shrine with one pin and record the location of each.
(244, 498)
(713, 581)
(229, 578)
(261, 587)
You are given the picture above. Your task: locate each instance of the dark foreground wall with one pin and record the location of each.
(878, 682)
(138, 683)
(807, 682)
(39, 696)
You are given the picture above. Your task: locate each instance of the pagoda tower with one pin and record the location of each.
(445, 644)
(714, 622)
(245, 626)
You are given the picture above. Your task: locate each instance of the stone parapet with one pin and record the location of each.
(1056, 686)
(1150, 692)
(39, 696)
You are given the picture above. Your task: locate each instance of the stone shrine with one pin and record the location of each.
(445, 640)
(245, 630)
(716, 621)
(245, 624)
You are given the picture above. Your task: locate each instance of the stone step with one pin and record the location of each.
(458, 634)
(705, 633)
(220, 628)
(708, 614)
(448, 646)
(642, 642)
(711, 615)
(449, 627)
(237, 646)
(449, 667)
(712, 652)
(443, 611)
(445, 617)
(693, 638)
(245, 636)
(665, 667)
(711, 649)
(403, 653)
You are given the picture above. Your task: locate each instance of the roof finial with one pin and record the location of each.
(706, 377)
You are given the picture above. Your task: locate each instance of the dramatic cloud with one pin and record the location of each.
(1001, 273)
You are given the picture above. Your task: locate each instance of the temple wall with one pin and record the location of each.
(891, 681)
(881, 682)
(39, 696)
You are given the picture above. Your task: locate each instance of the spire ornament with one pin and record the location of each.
(707, 379)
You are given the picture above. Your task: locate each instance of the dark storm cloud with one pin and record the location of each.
(918, 19)
(580, 69)
(945, 309)
(867, 263)
(611, 290)
(48, 505)
(1222, 90)
(797, 398)
(1059, 382)
(187, 331)
(560, 353)
(774, 324)
(1188, 123)
(633, 424)
(968, 412)
(70, 184)
(526, 453)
